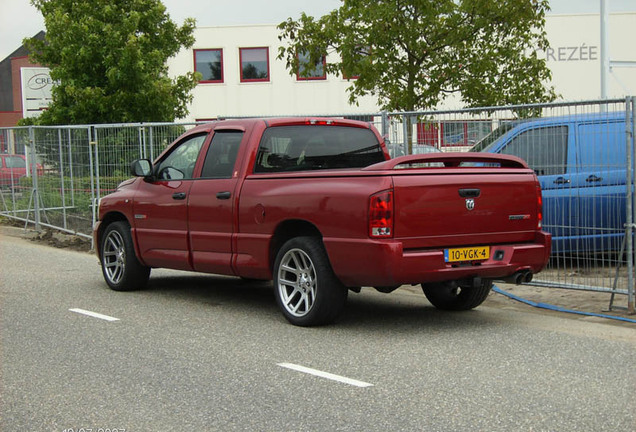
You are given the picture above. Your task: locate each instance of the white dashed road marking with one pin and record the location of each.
(94, 314)
(325, 375)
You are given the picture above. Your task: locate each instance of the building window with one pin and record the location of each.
(254, 64)
(351, 68)
(209, 63)
(308, 71)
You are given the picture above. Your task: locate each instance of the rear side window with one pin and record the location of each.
(544, 149)
(316, 147)
(221, 157)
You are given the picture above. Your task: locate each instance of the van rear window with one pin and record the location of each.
(316, 147)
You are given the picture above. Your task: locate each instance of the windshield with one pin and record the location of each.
(486, 142)
(14, 162)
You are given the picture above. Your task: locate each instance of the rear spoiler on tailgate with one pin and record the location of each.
(451, 159)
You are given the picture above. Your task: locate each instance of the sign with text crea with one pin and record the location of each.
(36, 90)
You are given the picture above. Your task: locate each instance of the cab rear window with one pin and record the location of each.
(316, 147)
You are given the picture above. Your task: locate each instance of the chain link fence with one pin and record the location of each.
(583, 154)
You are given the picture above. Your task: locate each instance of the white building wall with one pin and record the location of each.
(574, 59)
(575, 55)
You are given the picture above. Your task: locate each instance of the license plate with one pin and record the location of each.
(467, 254)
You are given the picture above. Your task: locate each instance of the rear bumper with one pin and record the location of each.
(385, 263)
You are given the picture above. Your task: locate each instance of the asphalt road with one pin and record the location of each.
(210, 353)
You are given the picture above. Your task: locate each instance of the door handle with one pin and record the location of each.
(562, 180)
(593, 178)
(223, 195)
(179, 195)
(469, 193)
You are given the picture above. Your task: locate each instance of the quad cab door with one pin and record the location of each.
(160, 208)
(212, 203)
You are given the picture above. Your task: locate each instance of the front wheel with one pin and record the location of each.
(307, 291)
(120, 266)
(456, 296)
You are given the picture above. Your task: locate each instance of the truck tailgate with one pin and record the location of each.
(450, 205)
(464, 209)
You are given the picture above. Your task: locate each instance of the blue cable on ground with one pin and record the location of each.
(498, 290)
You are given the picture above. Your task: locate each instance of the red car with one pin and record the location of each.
(12, 168)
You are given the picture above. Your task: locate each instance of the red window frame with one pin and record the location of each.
(194, 55)
(354, 77)
(316, 78)
(243, 79)
(346, 77)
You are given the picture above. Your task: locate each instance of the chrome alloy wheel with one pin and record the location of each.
(114, 257)
(297, 282)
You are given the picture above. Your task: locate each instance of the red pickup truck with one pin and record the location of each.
(318, 206)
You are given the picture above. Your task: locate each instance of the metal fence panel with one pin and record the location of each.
(75, 166)
(56, 188)
(579, 152)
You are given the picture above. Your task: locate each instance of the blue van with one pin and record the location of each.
(581, 164)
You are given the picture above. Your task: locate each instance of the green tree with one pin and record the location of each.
(109, 61)
(412, 54)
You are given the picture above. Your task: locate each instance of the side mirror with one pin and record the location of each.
(141, 168)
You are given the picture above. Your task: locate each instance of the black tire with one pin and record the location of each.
(455, 296)
(307, 291)
(120, 266)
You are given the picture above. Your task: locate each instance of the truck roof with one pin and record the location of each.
(277, 121)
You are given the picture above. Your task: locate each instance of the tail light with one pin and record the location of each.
(539, 208)
(319, 122)
(381, 214)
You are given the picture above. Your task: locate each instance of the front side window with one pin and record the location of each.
(308, 70)
(209, 63)
(544, 149)
(254, 64)
(179, 164)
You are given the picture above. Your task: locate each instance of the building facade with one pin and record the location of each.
(574, 57)
(242, 75)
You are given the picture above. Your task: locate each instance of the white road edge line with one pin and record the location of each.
(325, 375)
(94, 314)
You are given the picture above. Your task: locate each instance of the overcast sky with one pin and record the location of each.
(18, 19)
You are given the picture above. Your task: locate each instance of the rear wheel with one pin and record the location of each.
(453, 295)
(120, 266)
(307, 291)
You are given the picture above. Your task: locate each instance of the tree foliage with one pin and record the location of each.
(412, 54)
(108, 59)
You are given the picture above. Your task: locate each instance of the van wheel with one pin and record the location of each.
(456, 296)
(120, 266)
(307, 291)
